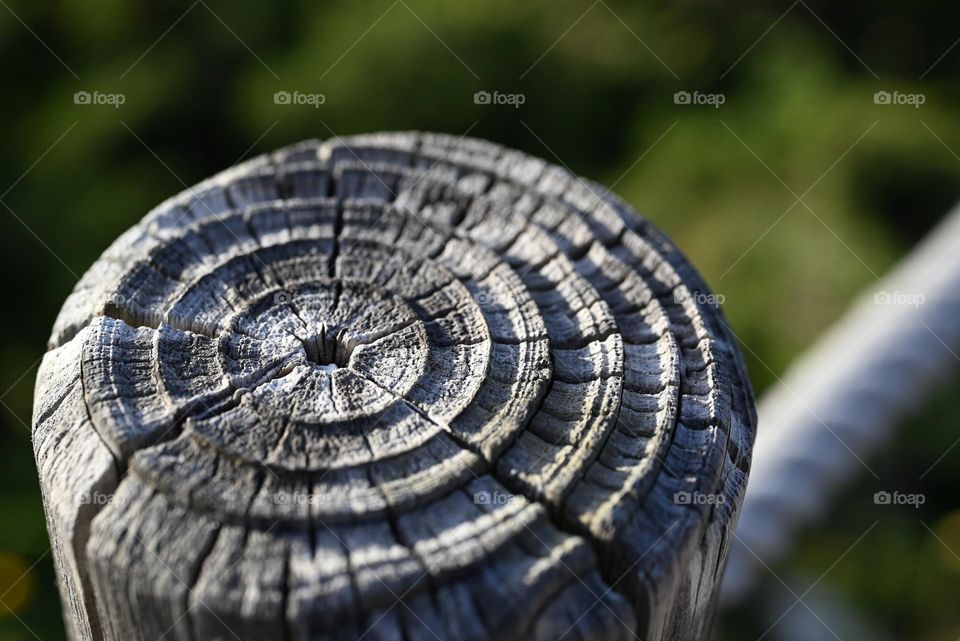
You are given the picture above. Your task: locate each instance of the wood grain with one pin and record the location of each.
(397, 386)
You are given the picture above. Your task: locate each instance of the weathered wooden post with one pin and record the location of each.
(398, 386)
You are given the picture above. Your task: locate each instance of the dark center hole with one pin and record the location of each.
(327, 349)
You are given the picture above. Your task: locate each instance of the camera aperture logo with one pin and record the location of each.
(299, 98)
(284, 296)
(699, 98)
(498, 98)
(97, 98)
(899, 98)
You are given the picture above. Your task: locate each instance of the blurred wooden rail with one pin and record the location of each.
(898, 343)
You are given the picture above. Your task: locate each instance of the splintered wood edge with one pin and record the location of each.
(390, 368)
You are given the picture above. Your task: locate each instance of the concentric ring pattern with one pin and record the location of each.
(396, 386)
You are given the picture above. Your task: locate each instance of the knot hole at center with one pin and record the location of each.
(327, 349)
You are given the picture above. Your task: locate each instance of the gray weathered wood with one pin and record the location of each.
(397, 386)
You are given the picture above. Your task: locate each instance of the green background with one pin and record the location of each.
(598, 81)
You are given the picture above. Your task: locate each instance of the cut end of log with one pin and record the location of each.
(397, 386)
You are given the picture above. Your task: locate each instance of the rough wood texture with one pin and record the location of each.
(397, 386)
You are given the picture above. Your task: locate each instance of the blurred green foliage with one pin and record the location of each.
(791, 196)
